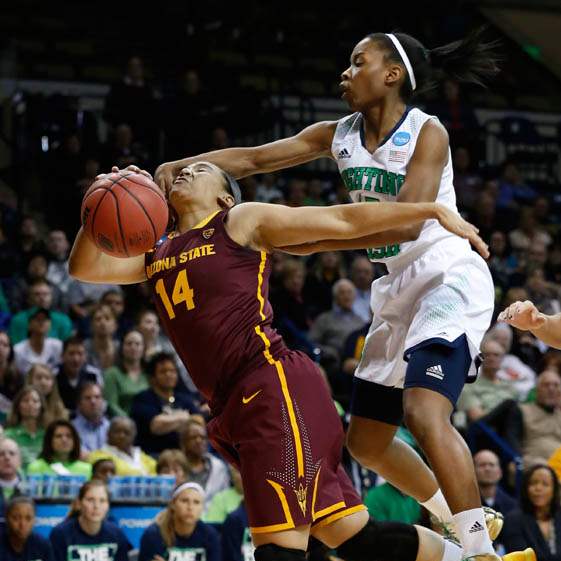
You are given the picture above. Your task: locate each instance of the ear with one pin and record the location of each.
(225, 200)
(393, 75)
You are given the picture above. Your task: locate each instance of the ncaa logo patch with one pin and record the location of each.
(401, 138)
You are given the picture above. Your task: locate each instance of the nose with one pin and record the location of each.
(346, 74)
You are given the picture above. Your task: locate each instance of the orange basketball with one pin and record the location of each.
(124, 214)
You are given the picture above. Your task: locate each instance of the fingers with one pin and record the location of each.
(133, 169)
(481, 247)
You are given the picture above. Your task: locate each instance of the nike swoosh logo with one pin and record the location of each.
(246, 400)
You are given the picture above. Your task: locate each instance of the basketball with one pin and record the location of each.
(124, 214)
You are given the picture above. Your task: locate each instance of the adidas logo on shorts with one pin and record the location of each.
(477, 527)
(435, 371)
(343, 154)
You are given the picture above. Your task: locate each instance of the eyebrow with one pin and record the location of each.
(354, 56)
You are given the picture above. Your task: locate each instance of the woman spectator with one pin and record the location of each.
(18, 541)
(102, 347)
(11, 381)
(179, 527)
(40, 376)
(61, 452)
(154, 342)
(127, 378)
(318, 289)
(86, 529)
(173, 462)
(502, 263)
(26, 423)
(128, 459)
(537, 523)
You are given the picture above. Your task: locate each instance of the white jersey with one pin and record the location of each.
(378, 176)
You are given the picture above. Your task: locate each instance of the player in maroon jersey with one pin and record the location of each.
(273, 416)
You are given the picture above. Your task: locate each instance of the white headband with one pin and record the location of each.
(188, 485)
(404, 58)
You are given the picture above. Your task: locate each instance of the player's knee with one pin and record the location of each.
(419, 420)
(379, 541)
(273, 552)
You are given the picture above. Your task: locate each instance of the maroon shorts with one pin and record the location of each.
(280, 428)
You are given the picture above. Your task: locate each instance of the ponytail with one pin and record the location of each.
(471, 60)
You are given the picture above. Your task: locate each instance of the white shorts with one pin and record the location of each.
(444, 293)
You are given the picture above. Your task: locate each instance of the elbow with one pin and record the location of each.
(412, 233)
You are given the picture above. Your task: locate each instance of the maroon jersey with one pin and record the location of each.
(212, 297)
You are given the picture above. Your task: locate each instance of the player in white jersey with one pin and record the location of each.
(431, 310)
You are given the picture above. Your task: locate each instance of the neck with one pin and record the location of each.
(543, 513)
(90, 527)
(488, 491)
(30, 424)
(131, 365)
(380, 120)
(195, 461)
(16, 543)
(163, 392)
(60, 457)
(491, 374)
(102, 339)
(36, 341)
(183, 528)
(190, 218)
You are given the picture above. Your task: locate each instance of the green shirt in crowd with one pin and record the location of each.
(42, 467)
(29, 444)
(222, 504)
(387, 503)
(61, 326)
(486, 394)
(119, 390)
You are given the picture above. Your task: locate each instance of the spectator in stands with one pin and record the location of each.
(386, 502)
(115, 299)
(225, 501)
(26, 423)
(179, 527)
(123, 149)
(173, 462)
(148, 324)
(488, 472)
(528, 233)
(512, 369)
(512, 189)
(127, 458)
(314, 193)
(296, 192)
(11, 480)
(60, 454)
(90, 421)
(132, 101)
(40, 296)
(10, 380)
(544, 294)
(467, 184)
(534, 429)
(128, 377)
(331, 329)
(38, 347)
(102, 347)
(489, 390)
(92, 169)
(160, 412)
(219, 140)
(104, 469)
(537, 524)
(318, 289)
(30, 239)
(18, 541)
(502, 263)
(41, 377)
(20, 293)
(484, 214)
(86, 528)
(362, 275)
(236, 537)
(267, 190)
(204, 468)
(73, 371)
(58, 250)
(84, 297)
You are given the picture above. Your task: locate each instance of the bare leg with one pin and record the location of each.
(293, 539)
(373, 445)
(427, 415)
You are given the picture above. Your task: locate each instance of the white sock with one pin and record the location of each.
(452, 552)
(472, 532)
(438, 506)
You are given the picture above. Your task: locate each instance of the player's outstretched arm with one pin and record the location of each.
(272, 227)
(525, 316)
(89, 264)
(311, 143)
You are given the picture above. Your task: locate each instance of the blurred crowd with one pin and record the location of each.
(90, 385)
